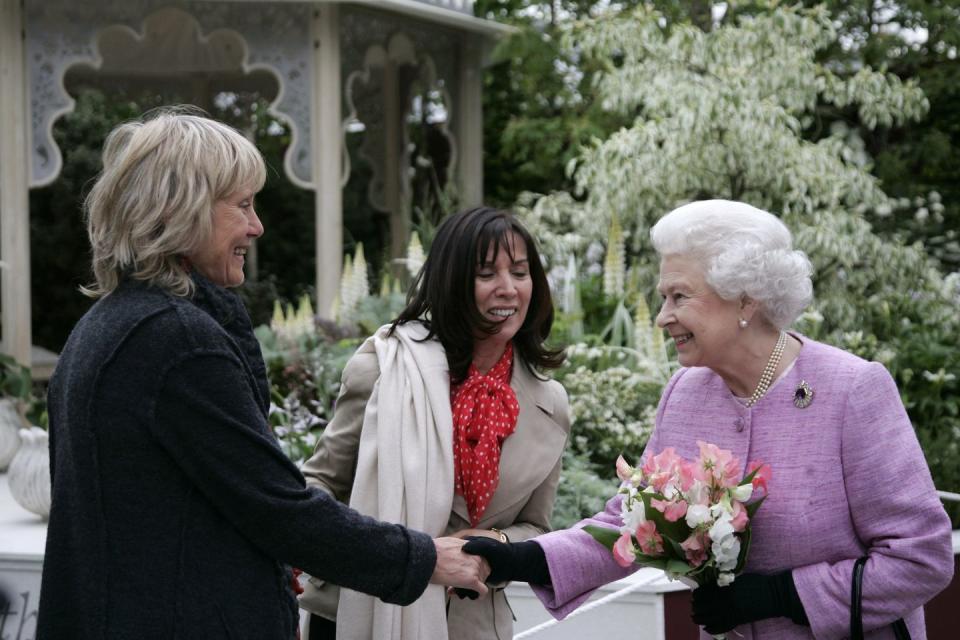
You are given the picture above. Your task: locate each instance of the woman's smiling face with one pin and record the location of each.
(235, 225)
(702, 324)
(502, 288)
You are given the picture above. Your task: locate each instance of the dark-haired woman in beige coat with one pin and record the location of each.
(444, 422)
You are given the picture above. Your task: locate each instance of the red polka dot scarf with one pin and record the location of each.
(485, 413)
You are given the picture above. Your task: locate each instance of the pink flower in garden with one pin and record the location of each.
(649, 540)
(717, 466)
(671, 510)
(623, 551)
(624, 470)
(695, 548)
(740, 519)
(763, 476)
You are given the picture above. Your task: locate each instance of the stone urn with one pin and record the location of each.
(10, 425)
(29, 473)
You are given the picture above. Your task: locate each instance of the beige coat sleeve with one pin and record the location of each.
(334, 461)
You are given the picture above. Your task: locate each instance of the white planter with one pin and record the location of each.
(10, 425)
(29, 473)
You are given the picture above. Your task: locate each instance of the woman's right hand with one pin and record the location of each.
(457, 569)
(523, 561)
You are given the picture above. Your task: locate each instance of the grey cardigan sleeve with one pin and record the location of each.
(207, 419)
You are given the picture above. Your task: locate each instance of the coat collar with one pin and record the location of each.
(227, 309)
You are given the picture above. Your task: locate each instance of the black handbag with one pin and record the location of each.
(900, 630)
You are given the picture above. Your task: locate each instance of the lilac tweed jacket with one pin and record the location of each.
(849, 479)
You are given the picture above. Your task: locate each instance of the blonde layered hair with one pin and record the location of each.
(153, 202)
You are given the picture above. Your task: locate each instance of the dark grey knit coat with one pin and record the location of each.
(175, 513)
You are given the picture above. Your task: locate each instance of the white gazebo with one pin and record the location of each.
(334, 66)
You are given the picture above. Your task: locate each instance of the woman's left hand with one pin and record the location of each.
(749, 598)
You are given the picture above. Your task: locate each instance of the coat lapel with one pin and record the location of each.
(531, 452)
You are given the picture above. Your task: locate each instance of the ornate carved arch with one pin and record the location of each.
(275, 37)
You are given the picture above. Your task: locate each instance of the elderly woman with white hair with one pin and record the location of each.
(175, 513)
(849, 478)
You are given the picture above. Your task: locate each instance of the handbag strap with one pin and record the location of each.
(856, 588)
(900, 630)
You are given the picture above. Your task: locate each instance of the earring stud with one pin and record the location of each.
(743, 323)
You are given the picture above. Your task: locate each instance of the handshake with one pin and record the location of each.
(470, 563)
(458, 569)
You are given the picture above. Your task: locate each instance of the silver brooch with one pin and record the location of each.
(803, 396)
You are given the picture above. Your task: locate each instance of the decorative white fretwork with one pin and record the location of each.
(63, 33)
(429, 55)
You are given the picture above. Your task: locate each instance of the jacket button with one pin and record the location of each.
(738, 424)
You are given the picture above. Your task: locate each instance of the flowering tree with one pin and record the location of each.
(721, 114)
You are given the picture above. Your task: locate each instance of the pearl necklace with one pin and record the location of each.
(767, 376)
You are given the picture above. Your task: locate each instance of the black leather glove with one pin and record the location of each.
(749, 598)
(522, 561)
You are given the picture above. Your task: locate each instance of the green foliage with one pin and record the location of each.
(581, 491)
(375, 311)
(304, 371)
(915, 40)
(17, 384)
(538, 105)
(612, 406)
(15, 380)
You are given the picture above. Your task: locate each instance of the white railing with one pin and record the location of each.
(616, 595)
(948, 496)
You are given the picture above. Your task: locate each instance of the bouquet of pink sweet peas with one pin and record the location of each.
(690, 518)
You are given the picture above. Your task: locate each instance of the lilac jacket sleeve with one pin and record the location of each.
(896, 513)
(579, 564)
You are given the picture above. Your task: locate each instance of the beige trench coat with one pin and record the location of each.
(521, 506)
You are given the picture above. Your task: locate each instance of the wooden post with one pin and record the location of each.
(469, 122)
(325, 147)
(14, 181)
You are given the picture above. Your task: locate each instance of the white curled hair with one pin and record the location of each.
(744, 251)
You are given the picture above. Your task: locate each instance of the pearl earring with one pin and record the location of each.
(743, 323)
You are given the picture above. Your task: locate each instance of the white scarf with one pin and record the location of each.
(404, 474)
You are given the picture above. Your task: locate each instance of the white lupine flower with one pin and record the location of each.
(277, 320)
(569, 297)
(354, 285)
(615, 264)
(343, 304)
(415, 255)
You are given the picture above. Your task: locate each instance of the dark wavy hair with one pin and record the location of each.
(442, 296)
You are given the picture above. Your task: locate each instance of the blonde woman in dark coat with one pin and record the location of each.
(175, 514)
